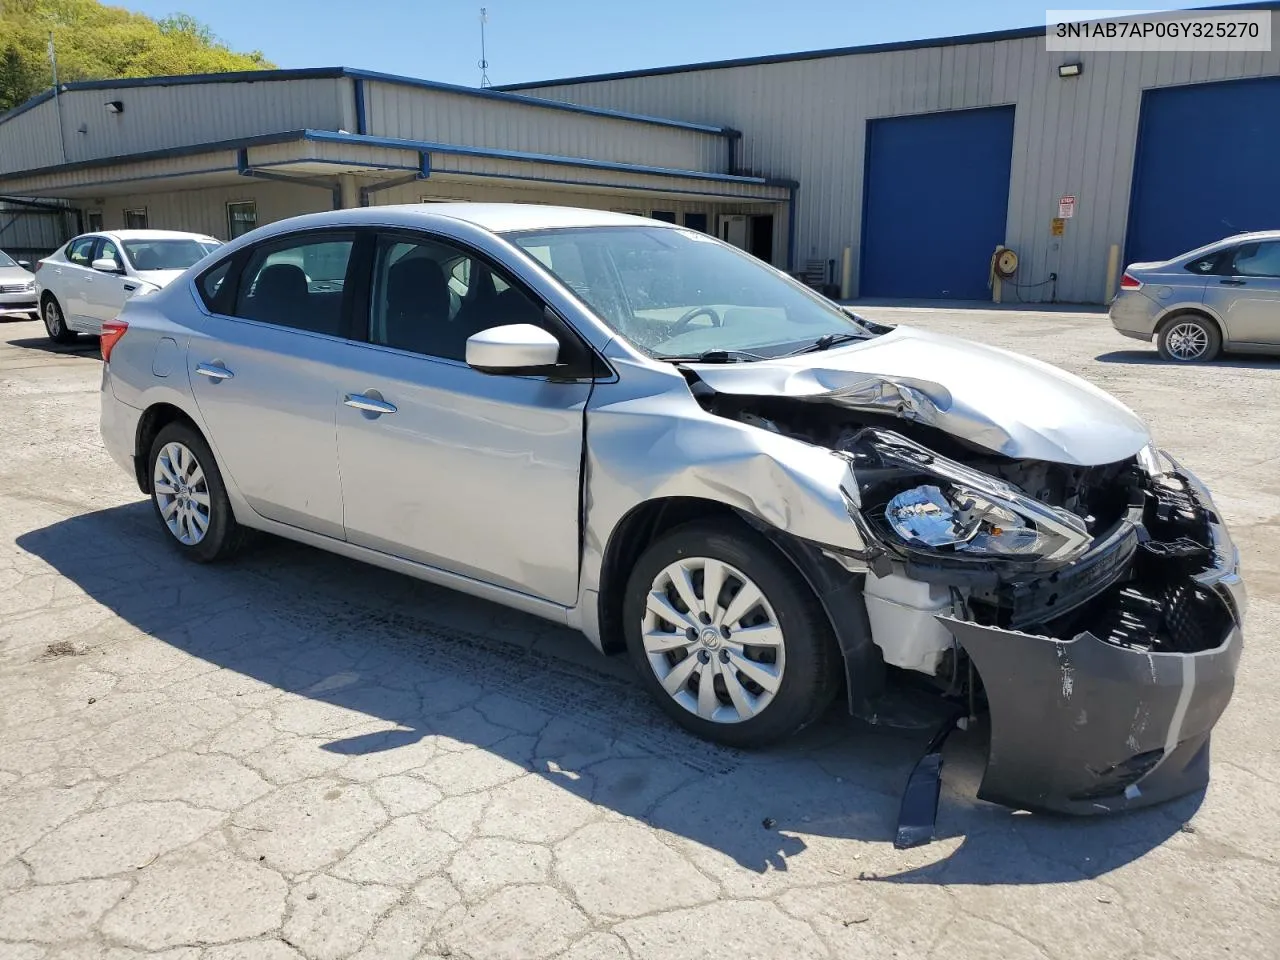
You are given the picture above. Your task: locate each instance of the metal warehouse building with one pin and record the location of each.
(220, 154)
(919, 158)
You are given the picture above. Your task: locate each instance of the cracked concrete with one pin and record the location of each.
(295, 757)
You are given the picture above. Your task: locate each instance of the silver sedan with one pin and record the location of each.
(1220, 297)
(641, 432)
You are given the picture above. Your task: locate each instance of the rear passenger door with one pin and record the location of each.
(266, 367)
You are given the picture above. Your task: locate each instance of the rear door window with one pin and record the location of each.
(1257, 260)
(297, 283)
(81, 251)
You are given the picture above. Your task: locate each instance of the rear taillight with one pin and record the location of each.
(112, 331)
(36, 268)
(1130, 282)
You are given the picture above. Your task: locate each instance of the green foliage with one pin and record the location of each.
(95, 41)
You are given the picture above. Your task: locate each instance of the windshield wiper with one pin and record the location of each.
(717, 356)
(826, 342)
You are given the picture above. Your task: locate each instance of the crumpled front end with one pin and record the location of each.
(1105, 649)
(1112, 709)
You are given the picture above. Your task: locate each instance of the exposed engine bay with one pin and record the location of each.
(1091, 611)
(1133, 540)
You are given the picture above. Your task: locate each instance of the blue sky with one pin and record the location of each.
(542, 39)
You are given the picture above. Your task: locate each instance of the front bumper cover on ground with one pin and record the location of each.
(1083, 726)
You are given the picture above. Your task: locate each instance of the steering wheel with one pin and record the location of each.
(682, 324)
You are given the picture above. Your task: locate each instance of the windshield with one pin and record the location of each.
(6, 260)
(676, 293)
(167, 254)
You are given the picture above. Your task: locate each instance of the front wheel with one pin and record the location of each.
(189, 497)
(728, 637)
(55, 324)
(1189, 339)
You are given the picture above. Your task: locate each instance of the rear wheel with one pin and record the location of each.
(189, 497)
(55, 324)
(728, 637)
(1189, 338)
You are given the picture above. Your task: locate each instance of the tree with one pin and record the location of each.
(94, 42)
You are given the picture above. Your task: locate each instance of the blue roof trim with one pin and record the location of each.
(419, 146)
(321, 73)
(195, 148)
(329, 136)
(994, 36)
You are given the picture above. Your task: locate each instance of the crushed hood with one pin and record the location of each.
(1007, 403)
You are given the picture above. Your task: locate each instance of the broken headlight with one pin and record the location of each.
(912, 500)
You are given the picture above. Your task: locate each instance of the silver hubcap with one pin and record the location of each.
(1187, 341)
(182, 493)
(713, 640)
(52, 318)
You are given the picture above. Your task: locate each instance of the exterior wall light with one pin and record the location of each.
(115, 106)
(1070, 70)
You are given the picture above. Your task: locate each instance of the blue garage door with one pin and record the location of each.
(935, 201)
(1208, 166)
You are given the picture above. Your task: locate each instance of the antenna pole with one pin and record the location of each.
(57, 100)
(483, 64)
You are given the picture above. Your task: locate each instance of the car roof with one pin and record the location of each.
(493, 217)
(150, 235)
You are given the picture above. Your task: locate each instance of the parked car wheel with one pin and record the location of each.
(189, 497)
(55, 323)
(728, 637)
(1189, 338)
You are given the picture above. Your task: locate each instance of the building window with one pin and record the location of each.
(696, 221)
(242, 216)
(94, 220)
(135, 219)
(666, 216)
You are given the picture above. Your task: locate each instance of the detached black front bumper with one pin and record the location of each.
(1083, 726)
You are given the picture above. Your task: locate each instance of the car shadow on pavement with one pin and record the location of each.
(410, 661)
(1151, 358)
(81, 347)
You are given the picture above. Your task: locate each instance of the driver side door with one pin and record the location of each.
(105, 293)
(441, 464)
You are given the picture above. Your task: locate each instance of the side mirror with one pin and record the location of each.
(25, 264)
(512, 349)
(106, 265)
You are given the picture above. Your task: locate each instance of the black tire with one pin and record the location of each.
(811, 675)
(223, 536)
(55, 324)
(1201, 329)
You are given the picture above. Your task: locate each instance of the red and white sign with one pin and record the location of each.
(1067, 207)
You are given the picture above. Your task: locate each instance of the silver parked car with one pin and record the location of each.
(1224, 296)
(17, 287)
(85, 282)
(639, 431)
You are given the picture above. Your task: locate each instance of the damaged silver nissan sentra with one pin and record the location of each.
(637, 430)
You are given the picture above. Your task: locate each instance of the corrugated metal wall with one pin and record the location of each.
(161, 117)
(395, 110)
(807, 120)
(27, 233)
(205, 211)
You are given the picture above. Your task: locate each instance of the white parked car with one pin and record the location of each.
(85, 283)
(17, 287)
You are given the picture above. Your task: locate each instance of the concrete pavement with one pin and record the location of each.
(299, 756)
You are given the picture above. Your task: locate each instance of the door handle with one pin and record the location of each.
(1233, 283)
(368, 404)
(213, 372)
(130, 286)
